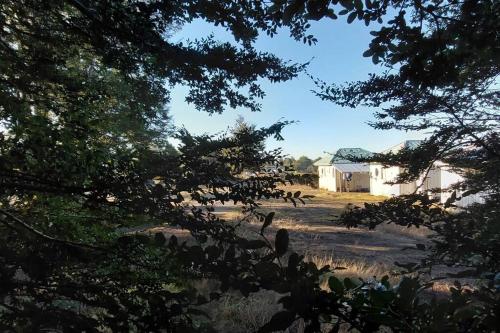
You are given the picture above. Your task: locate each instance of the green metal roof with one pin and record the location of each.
(343, 155)
(408, 144)
(412, 144)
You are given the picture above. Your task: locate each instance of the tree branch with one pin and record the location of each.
(38, 233)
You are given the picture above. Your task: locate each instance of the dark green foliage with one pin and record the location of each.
(308, 179)
(442, 67)
(281, 242)
(302, 165)
(280, 321)
(85, 162)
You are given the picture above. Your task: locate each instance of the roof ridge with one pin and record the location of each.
(401, 145)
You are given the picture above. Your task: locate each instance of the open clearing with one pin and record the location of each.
(316, 233)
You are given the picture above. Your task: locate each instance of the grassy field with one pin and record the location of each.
(315, 232)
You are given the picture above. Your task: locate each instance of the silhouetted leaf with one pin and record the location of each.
(336, 285)
(281, 242)
(160, 239)
(349, 284)
(351, 17)
(254, 244)
(280, 321)
(267, 270)
(267, 221)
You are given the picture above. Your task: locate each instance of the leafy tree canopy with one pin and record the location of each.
(85, 161)
(442, 64)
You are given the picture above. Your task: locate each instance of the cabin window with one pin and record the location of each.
(376, 172)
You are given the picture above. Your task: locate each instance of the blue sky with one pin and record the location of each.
(322, 126)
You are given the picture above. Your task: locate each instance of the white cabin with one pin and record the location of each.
(338, 174)
(441, 177)
(445, 176)
(380, 175)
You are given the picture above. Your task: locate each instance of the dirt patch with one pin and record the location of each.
(315, 232)
(314, 229)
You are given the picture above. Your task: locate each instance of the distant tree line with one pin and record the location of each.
(303, 164)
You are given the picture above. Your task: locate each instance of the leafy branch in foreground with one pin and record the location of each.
(85, 162)
(441, 76)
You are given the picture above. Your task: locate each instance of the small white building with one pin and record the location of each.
(444, 177)
(380, 175)
(437, 182)
(338, 174)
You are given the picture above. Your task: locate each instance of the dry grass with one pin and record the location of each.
(349, 268)
(313, 229)
(292, 224)
(321, 194)
(235, 313)
(411, 232)
(350, 197)
(313, 232)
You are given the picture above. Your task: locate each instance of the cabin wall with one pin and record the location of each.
(433, 180)
(331, 179)
(360, 182)
(326, 178)
(378, 178)
(431, 184)
(449, 177)
(408, 188)
(338, 181)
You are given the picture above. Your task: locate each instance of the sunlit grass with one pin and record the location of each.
(352, 268)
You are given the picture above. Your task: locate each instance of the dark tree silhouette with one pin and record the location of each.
(84, 160)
